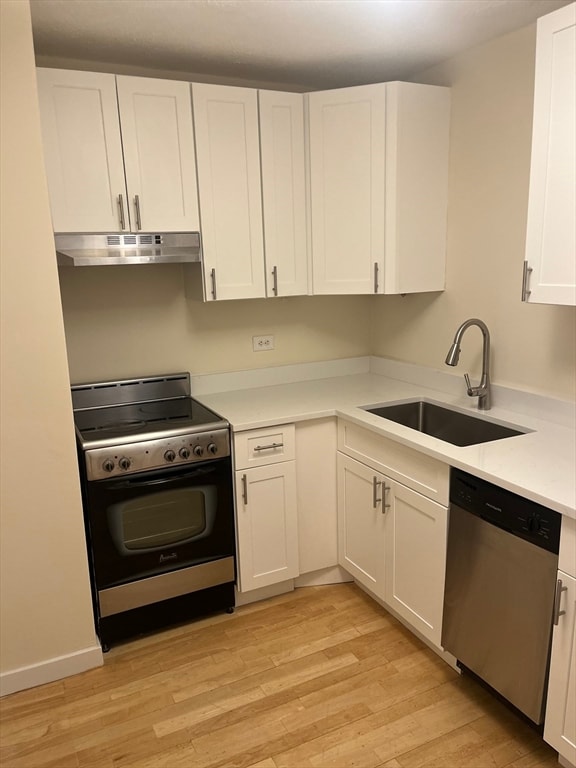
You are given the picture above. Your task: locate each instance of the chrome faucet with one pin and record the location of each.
(483, 391)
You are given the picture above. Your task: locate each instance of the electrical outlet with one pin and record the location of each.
(262, 343)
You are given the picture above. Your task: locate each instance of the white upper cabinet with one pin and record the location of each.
(159, 157)
(230, 195)
(283, 192)
(119, 152)
(82, 151)
(379, 179)
(551, 230)
(347, 161)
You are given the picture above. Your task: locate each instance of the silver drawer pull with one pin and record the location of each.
(557, 598)
(268, 447)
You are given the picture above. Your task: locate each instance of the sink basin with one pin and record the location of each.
(444, 423)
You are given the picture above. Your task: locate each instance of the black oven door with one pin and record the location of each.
(149, 523)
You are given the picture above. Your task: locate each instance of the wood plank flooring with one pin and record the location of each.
(319, 677)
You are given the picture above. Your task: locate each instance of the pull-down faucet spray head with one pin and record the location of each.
(453, 355)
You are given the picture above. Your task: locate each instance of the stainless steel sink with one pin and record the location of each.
(445, 423)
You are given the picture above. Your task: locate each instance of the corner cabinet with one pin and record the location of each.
(379, 187)
(392, 525)
(560, 722)
(266, 510)
(119, 152)
(550, 267)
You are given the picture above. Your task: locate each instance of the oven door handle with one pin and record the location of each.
(139, 483)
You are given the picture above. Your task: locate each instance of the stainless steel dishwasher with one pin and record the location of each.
(500, 589)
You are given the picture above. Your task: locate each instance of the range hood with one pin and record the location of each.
(93, 250)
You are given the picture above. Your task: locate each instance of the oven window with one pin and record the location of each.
(157, 520)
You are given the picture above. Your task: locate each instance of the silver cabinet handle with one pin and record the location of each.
(375, 499)
(385, 488)
(121, 212)
(137, 209)
(244, 489)
(526, 272)
(267, 447)
(275, 281)
(213, 281)
(557, 599)
(375, 277)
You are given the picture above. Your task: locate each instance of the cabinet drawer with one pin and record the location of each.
(417, 471)
(264, 446)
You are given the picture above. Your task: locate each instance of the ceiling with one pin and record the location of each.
(307, 44)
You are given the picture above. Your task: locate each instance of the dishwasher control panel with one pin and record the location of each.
(506, 510)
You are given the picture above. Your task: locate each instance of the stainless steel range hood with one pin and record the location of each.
(93, 250)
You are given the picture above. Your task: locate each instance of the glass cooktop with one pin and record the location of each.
(152, 419)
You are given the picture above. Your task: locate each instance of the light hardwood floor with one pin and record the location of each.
(320, 677)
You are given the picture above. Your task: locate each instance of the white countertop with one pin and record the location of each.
(540, 465)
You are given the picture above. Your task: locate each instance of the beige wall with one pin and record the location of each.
(45, 607)
(534, 346)
(132, 321)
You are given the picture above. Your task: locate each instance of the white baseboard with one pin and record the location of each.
(255, 595)
(50, 670)
(333, 575)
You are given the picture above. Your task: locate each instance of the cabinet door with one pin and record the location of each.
(266, 525)
(560, 723)
(347, 177)
(159, 157)
(551, 231)
(361, 523)
(416, 559)
(82, 151)
(228, 158)
(417, 147)
(316, 484)
(283, 192)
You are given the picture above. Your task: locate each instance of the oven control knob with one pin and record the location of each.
(169, 455)
(108, 465)
(212, 448)
(124, 463)
(184, 453)
(198, 450)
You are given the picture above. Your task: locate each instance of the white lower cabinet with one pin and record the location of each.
(361, 524)
(316, 486)
(392, 538)
(266, 509)
(560, 722)
(415, 560)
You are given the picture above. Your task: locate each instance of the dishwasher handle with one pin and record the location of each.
(557, 599)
